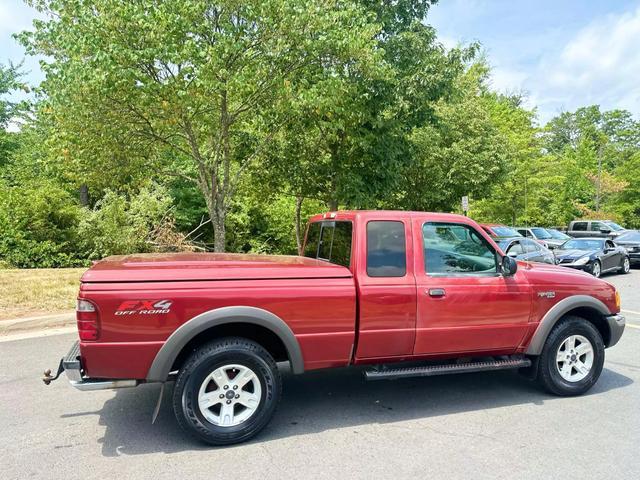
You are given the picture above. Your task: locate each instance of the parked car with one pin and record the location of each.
(630, 240)
(373, 288)
(558, 235)
(499, 231)
(593, 255)
(594, 228)
(540, 235)
(527, 250)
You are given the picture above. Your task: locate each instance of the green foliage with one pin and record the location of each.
(37, 221)
(118, 225)
(230, 123)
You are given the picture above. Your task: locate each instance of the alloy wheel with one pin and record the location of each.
(596, 269)
(574, 358)
(229, 395)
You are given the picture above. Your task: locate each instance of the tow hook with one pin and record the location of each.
(47, 378)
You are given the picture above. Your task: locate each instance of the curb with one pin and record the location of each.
(22, 325)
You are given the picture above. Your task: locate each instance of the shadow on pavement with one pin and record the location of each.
(325, 400)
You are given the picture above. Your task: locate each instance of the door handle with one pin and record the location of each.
(436, 292)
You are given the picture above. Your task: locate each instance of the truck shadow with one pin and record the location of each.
(325, 400)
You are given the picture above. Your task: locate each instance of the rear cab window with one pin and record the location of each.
(330, 241)
(580, 226)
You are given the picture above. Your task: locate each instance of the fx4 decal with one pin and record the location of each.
(143, 307)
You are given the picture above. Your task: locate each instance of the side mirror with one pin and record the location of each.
(509, 266)
(605, 230)
(512, 254)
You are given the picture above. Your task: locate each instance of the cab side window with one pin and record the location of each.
(451, 248)
(580, 226)
(386, 249)
(596, 226)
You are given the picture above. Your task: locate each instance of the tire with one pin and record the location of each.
(625, 266)
(596, 269)
(245, 408)
(555, 366)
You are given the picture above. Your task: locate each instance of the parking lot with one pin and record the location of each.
(333, 424)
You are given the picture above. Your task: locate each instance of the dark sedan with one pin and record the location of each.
(525, 249)
(593, 255)
(630, 240)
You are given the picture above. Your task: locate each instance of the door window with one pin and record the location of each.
(530, 246)
(386, 249)
(580, 226)
(596, 226)
(451, 248)
(515, 249)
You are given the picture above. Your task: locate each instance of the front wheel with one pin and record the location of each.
(572, 357)
(227, 391)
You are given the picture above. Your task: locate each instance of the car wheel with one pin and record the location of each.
(626, 265)
(227, 391)
(596, 269)
(572, 357)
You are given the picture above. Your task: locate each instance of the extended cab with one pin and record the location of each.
(374, 288)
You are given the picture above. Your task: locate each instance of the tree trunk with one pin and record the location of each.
(299, 232)
(84, 195)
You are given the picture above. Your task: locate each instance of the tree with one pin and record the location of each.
(202, 82)
(9, 81)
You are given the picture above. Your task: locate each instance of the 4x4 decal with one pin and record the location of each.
(144, 307)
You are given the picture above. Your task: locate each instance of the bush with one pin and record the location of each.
(38, 225)
(118, 225)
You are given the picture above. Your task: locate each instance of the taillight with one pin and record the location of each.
(87, 317)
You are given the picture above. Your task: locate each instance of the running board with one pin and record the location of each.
(432, 370)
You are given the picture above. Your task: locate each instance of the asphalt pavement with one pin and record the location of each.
(333, 424)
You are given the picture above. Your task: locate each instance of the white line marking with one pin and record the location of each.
(631, 312)
(631, 325)
(38, 334)
(42, 317)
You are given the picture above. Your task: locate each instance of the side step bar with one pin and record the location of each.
(432, 370)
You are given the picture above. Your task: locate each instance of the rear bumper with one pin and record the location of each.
(616, 327)
(71, 364)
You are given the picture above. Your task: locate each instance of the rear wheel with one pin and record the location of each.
(625, 266)
(227, 391)
(572, 357)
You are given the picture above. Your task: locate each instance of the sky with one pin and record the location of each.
(561, 54)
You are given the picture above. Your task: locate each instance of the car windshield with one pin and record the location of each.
(505, 232)
(614, 226)
(541, 233)
(557, 234)
(583, 244)
(633, 236)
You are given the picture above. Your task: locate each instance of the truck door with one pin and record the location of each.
(386, 288)
(464, 303)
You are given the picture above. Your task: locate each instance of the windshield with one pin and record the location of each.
(614, 226)
(557, 234)
(583, 244)
(541, 233)
(633, 236)
(504, 232)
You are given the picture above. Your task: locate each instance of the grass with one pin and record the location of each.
(41, 291)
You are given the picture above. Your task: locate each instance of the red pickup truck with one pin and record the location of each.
(405, 293)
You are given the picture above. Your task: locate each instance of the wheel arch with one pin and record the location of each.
(256, 324)
(584, 306)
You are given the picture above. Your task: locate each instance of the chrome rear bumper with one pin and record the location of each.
(71, 365)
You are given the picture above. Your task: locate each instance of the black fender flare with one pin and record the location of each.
(166, 356)
(556, 312)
